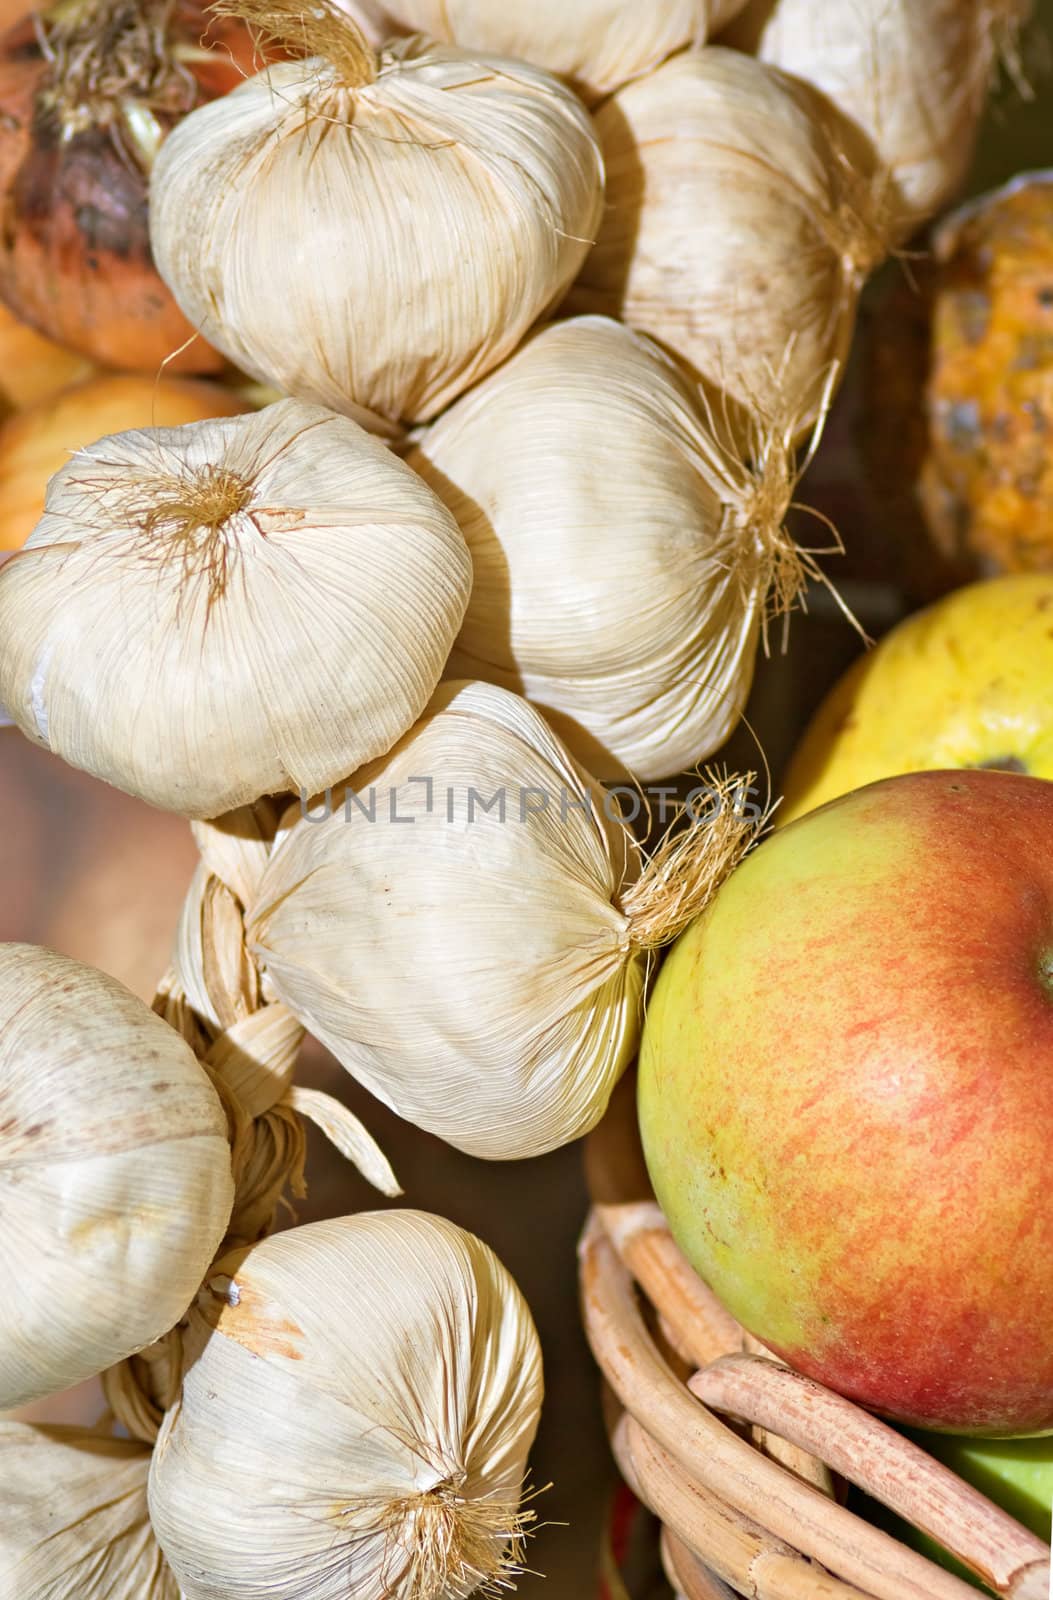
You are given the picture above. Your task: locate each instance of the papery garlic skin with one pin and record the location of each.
(597, 44)
(617, 581)
(368, 16)
(352, 1387)
(377, 247)
(115, 1174)
(740, 224)
(476, 974)
(75, 1523)
(200, 666)
(914, 74)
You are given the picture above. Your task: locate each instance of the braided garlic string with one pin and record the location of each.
(249, 1045)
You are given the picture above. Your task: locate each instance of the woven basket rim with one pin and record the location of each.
(738, 1455)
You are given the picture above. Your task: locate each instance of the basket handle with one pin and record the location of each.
(700, 1329)
(693, 1320)
(724, 1465)
(687, 1575)
(753, 1561)
(1008, 1558)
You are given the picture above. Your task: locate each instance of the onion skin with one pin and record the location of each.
(12, 11)
(75, 260)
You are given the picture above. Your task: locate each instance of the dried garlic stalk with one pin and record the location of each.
(481, 969)
(211, 613)
(623, 551)
(249, 1046)
(451, 195)
(75, 1523)
(115, 1174)
(360, 1398)
(743, 215)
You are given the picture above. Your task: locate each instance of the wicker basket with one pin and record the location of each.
(742, 1459)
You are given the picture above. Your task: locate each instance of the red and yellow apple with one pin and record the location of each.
(846, 1098)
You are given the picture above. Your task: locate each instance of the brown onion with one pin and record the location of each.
(88, 91)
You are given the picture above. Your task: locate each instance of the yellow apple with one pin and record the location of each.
(966, 683)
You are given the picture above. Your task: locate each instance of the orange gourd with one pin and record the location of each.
(38, 442)
(32, 368)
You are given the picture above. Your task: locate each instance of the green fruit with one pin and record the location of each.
(1017, 1474)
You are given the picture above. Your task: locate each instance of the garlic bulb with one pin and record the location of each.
(451, 195)
(114, 1172)
(359, 1401)
(741, 221)
(622, 551)
(75, 1522)
(369, 18)
(913, 74)
(470, 935)
(598, 44)
(210, 613)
